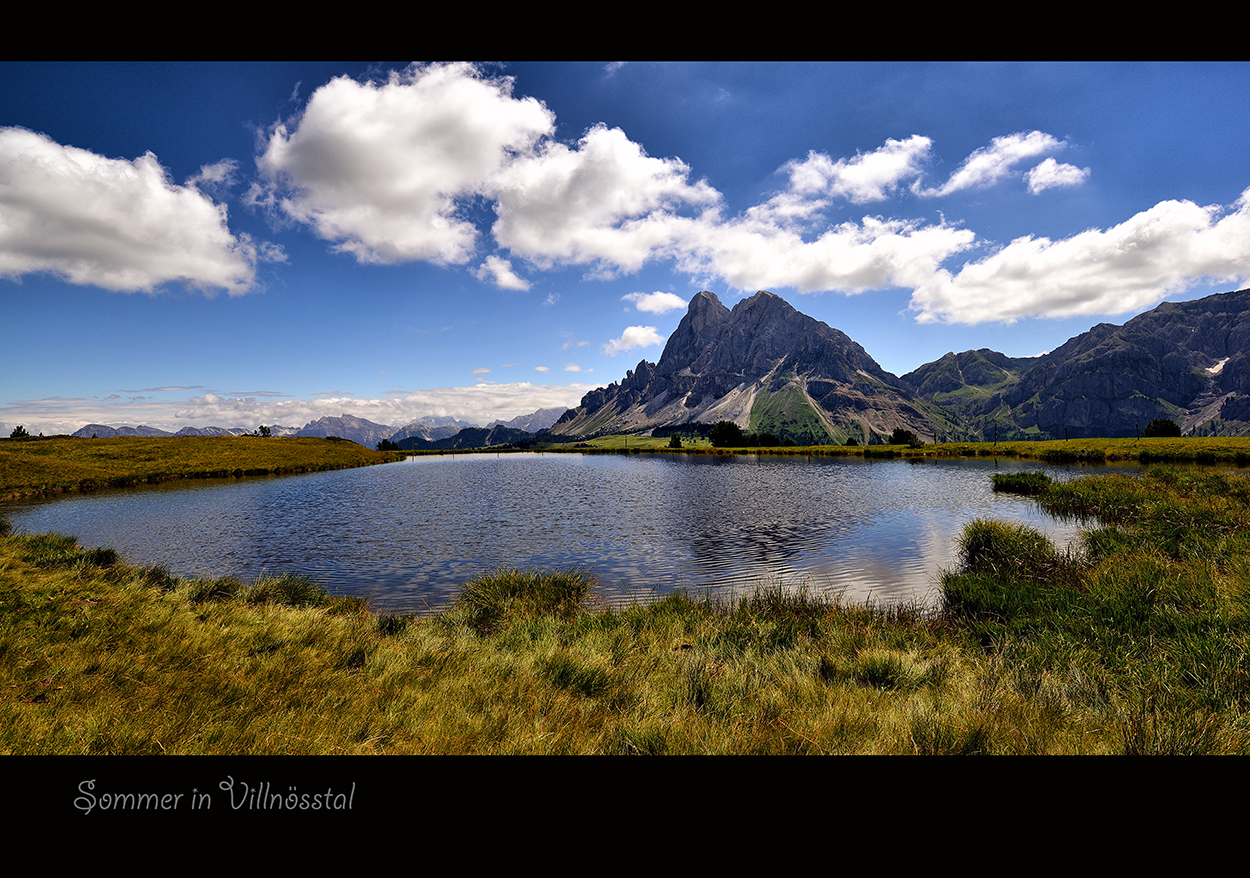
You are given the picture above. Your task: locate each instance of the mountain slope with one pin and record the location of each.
(1182, 360)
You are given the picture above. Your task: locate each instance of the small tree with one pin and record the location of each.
(265, 432)
(388, 445)
(674, 441)
(1162, 428)
(901, 436)
(19, 432)
(725, 434)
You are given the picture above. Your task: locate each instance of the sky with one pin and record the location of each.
(243, 244)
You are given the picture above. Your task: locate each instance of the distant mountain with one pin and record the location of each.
(1187, 361)
(213, 431)
(430, 429)
(970, 386)
(366, 433)
(469, 437)
(767, 368)
(103, 431)
(532, 423)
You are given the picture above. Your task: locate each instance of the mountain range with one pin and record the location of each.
(427, 433)
(769, 368)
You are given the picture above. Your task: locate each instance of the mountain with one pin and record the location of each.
(429, 430)
(767, 368)
(103, 431)
(469, 437)
(531, 423)
(970, 386)
(366, 433)
(1187, 361)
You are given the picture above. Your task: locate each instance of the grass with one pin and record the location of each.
(1136, 641)
(67, 464)
(1021, 483)
(1221, 451)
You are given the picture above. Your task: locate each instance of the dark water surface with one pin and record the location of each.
(407, 534)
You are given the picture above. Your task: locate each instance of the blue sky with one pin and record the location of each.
(245, 244)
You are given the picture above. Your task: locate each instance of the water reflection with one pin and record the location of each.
(407, 534)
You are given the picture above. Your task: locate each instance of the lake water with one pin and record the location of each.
(407, 534)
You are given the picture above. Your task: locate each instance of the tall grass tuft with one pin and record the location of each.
(1021, 483)
(483, 602)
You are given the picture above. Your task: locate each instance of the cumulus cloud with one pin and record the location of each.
(117, 224)
(605, 202)
(1051, 173)
(755, 253)
(378, 167)
(655, 303)
(498, 271)
(867, 177)
(633, 337)
(990, 164)
(1129, 267)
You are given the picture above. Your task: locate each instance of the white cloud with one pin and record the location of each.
(1051, 173)
(499, 271)
(655, 303)
(867, 177)
(217, 176)
(377, 168)
(122, 225)
(990, 164)
(542, 368)
(633, 337)
(1129, 267)
(755, 253)
(572, 367)
(606, 202)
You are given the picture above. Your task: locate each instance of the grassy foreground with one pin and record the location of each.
(1139, 643)
(65, 464)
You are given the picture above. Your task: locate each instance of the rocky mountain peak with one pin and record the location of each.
(694, 334)
(763, 365)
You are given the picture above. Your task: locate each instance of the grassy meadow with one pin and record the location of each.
(1233, 451)
(1138, 642)
(43, 466)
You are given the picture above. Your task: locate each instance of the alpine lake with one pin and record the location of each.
(406, 535)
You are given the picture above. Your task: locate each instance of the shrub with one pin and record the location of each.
(1162, 428)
